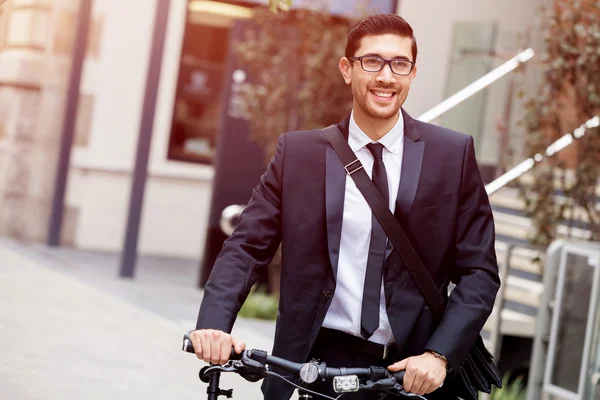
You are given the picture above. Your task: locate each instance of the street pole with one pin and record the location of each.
(69, 120)
(140, 172)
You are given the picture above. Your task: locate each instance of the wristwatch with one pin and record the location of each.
(441, 357)
(438, 355)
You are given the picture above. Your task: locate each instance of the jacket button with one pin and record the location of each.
(326, 294)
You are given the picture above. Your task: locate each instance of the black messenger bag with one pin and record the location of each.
(478, 371)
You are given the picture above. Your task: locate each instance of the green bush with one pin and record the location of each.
(514, 390)
(260, 305)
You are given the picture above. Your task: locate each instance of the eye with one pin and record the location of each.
(372, 61)
(401, 67)
(402, 64)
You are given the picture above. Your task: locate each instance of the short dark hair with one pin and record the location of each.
(380, 24)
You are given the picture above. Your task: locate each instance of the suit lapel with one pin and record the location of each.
(335, 191)
(412, 159)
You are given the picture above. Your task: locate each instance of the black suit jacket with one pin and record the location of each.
(442, 205)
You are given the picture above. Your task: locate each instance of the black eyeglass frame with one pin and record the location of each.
(385, 62)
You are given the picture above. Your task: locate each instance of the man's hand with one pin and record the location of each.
(214, 346)
(424, 373)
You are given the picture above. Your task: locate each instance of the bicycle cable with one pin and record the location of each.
(271, 373)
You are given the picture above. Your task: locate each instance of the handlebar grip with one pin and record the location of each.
(187, 343)
(234, 355)
(399, 376)
(189, 348)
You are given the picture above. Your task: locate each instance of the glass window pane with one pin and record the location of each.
(593, 389)
(572, 324)
(198, 102)
(472, 44)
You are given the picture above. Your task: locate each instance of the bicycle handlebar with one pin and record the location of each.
(370, 373)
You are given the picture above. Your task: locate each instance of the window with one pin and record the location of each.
(199, 97)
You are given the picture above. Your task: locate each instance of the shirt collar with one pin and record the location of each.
(392, 141)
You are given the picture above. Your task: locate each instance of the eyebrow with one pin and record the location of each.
(380, 56)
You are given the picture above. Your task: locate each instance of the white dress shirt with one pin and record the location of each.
(345, 309)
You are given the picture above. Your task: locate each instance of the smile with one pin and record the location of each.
(385, 95)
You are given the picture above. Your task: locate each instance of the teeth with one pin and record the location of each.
(382, 94)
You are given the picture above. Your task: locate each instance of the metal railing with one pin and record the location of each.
(477, 85)
(482, 83)
(554, 148)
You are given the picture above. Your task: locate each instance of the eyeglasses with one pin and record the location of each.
(376, 64)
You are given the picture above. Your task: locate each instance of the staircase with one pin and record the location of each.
(521, 265)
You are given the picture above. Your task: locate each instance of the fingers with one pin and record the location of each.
(418, 386)
(420, 378)
(409, 376)
(217, 339)
(430, 388)
(429, 383)
(415, 380)
(239, 346)
(399, 366)
(225, 352)
(214, 346)
(436, 382)
(195, 337)
(435, 385)
(206, 346)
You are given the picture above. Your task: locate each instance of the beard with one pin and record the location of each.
(377, 112)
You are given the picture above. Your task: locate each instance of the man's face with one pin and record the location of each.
(380, 94)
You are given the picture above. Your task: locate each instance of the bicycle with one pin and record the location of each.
(254, 365)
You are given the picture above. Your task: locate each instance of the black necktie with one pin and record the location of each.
(371, 292)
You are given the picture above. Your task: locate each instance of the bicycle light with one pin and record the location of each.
(345, 384)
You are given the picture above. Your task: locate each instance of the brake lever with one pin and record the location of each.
(229, 367)
(250, 369)
(390, 386)
(383, 385)
(404, 394)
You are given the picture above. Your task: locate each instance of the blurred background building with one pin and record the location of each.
(459, 42)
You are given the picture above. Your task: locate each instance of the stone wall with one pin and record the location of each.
(36, 41)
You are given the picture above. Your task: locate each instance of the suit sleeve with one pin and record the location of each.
(251, 246)
(475, 272)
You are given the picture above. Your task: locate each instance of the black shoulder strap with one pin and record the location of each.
(389, 223)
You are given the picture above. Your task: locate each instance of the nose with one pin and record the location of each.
(386, 75)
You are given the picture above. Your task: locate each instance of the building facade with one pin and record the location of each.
(459, 40)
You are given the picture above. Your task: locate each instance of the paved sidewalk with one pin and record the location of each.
(70, 329)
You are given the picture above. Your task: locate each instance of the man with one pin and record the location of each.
(332, 276)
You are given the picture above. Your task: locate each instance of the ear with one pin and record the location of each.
(413, 74)
(346, 70)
